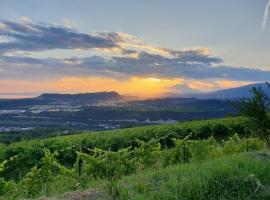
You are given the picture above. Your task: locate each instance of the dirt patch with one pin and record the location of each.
(91, 194)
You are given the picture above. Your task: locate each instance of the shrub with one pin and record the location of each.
(235, 145)
(8, 189)
(220, 130)
(204, 132)
(105, 164)
(256, 109)
(147, 153)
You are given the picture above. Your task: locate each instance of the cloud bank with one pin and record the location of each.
(104, 54)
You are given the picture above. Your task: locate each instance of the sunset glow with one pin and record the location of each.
(137, 55)
(141, 87)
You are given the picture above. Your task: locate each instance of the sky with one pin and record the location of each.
(143, 48)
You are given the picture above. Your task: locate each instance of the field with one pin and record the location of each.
(207, 159)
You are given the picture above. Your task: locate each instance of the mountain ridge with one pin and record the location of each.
(111, 95)
(233, 93)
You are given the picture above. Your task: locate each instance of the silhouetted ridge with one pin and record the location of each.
(98, 96)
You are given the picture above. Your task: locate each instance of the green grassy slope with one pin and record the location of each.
(238, 176)
(30, 152)
(121, 138)
(164, 164)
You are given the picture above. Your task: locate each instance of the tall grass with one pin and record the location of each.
(239, 176)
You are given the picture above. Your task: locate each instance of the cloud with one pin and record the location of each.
(265, 16)
(25, 19)
(30, 36)
(68, 23)
(231, 84)
(109, 54)
(189, 66)
(195, 86)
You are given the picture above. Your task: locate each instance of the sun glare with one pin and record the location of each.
(154, 79)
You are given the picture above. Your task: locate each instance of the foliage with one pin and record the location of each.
(257, 108)
(114, 140)
(100, 164)
(9, 137)
(30, 169)
(235, 144)
(106, 164)
(147, 154)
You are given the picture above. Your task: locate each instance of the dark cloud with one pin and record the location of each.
(197, 67)
(40, 37)
(135, 59)
(144, 65)
(195, 56)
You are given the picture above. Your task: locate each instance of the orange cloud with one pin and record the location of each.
(22, 86)
(232, 84)
(206, 86)
(201, 85)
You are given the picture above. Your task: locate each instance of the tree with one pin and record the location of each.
(256, 108)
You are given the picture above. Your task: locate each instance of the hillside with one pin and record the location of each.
(54, 99)
(122, 138)
(103, 161)
(238, 176)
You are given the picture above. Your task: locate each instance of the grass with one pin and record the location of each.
(242, 176)
(238, 176)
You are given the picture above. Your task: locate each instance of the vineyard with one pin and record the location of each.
(107, 161)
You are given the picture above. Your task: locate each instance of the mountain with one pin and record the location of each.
(183, 89)
(233, 93)
(180, 90)
(89, 97)
(60, 99)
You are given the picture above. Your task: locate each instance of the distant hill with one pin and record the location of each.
(233, 93)
(54, 99)
(179, 91)
(183, 89)
(90, 97)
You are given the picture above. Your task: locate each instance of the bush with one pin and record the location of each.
(220, 130)
(147, 154)
(204, 132)
(105, 164)
(235, 145)
(8, 189)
